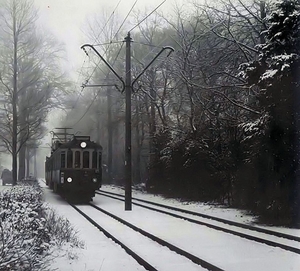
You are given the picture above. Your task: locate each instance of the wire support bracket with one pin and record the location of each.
(108, 65)
(159, 53)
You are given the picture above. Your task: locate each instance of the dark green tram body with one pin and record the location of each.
(74, 169)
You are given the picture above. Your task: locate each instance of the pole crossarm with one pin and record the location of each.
(99, 85)
(160, 52)
(108, 65)
(102, 85)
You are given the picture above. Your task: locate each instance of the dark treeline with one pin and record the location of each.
(217, 120)
(240, 143)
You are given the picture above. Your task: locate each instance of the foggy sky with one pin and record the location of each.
(66, 19)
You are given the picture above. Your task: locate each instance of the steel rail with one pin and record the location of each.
(243, 235)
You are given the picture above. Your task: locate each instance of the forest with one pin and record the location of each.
(217, 120)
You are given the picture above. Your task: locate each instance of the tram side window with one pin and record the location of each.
(77, 159)
(94, 160)
(69, 159)
(63, 160)
(100, 160)
(86, 159)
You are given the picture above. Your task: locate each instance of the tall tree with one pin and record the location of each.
(29, 76)
(276, 72)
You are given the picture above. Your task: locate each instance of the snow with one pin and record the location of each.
(99, 252)
(269, 74)
(223, 250)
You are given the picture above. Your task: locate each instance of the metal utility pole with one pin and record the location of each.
(127, 86)
(128, 173)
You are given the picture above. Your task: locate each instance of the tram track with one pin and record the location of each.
(140, 259)
(134, 255)
(216, 250)
(222, 225)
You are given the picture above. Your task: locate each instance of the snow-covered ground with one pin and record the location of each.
(208, 209)
(101, 253)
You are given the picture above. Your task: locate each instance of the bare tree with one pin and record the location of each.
(209, 100)
(29, 77)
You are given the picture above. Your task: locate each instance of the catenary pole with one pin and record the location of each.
(127, 86)
(128, 171)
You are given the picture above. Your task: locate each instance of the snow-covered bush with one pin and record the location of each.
(28, 229)
(61, 230)
(23, 235)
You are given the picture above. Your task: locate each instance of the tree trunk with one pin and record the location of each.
(23, 150)
(34, 164)
(110, 135)
(27, 173)
(262, 16)
(137, 158)
(14, 102)
(22, 157)
(152, 130)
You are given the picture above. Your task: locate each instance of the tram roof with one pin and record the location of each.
(76, 141)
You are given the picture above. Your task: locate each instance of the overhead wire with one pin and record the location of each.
(97, 65)
(147, 44)
(88, 108)
(108, 19)
(127, 16)
(150, 45)
(97, 40)
(117, 32)
(148, 15)
(106, 43)
(150, 52)
(111, 15)
(92, 102)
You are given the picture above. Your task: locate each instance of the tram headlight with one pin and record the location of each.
(94, 180)
(69, 179)
(83, 145)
